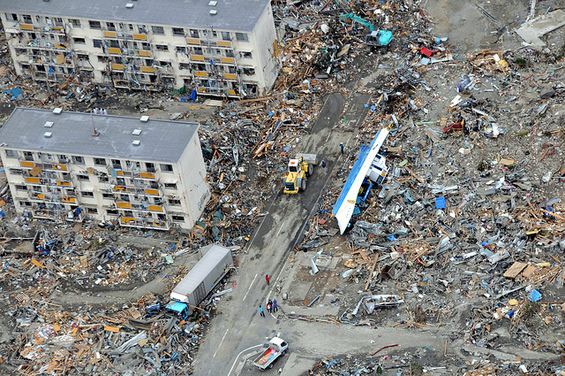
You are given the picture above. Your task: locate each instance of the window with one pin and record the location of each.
(21, 188)
(103, 179)
(249, 71)
(150, 167)
(111, 26)
(78, 160)
(245, 55)
(81, 177)
(102, 59)
(28, 155)
(158, 30)
(117, 164)
(197, 50)
(26, 18)
(183, 66)
(36, 189)
(59, 21)
(194, 33)
(16, 171)
(226, 35)
(178, 218)
(112, 212)
(145, 46)
(181, 49)
(11, 16)
(62, 158)
(107, 196)
(92, 210)
(79, 40)
(25, 203)
(95, 25)
(162, 47)
(97, 43)
(124, 198)
(167, 168)
(11, 153)
(74, 22)
(87, 194)
(178, 31)
(100, 161)
(171, 185)
(229, 53)
(174, 202)
(242, 37)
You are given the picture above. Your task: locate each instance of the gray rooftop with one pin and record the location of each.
(71, 133)
(237, 15)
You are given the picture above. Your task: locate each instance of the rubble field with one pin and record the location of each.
(464, 240)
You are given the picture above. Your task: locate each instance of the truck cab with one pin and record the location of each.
(378, 170)
(177, 309)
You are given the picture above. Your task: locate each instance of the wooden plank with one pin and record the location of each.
(516, 268)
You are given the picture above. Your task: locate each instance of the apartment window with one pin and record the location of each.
(11, 153)
(197, 50)
(117, 164)
(181, 49)
(59, 21)
(112, 212)
(194, 33)
(62, 158)
(226, 35)
(78, 160)
(103, 179)
(82, 177)
(21, 188)
(178, 218)
(229, 53)
(36, 189)
(249, 71)
(102, 59)
(167, 168)
(171, 185)
(111, 26)
(183, 66)
(162, 47)
(100, 161)
(107, 196)
(124, 198)
(142, 29)
(214, 34)
(97, 43)
(26, 18)
(145, 46)
(245, 55)
(242, 37)
(174, 202)
(94, 25)
(11, 16)
(92, 211)
(158, 30)
(87, 194)
(16, 171)
(79, 40)
(150, 167)
(28, 155)
(74, 22)
(178, 31)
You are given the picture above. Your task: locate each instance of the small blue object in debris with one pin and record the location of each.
(534, 296)
(509, 314)
(440, 203)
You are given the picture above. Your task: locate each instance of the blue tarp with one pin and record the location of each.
(15, 92)
(176, 306)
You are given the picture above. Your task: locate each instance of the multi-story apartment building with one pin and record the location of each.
(72, 166)
(219, 48)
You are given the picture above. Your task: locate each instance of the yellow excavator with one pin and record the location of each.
(299, 169)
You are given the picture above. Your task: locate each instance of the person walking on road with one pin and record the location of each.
(270, 306)
(324, 165)
(341, 147)
(275, 307)
(267, 279)
(261, 311)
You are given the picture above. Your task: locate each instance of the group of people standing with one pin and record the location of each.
(271, 306)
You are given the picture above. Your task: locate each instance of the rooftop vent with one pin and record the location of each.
(47, 134)
(136, 132)
(213, 12)
(213, 3)
(129, 5)
(144, 119)
(57, 111)
(136, 142)
(48, 124)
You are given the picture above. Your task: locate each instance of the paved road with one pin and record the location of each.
(238, 330)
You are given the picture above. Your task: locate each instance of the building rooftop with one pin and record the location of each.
(72, 133)
(238, 15)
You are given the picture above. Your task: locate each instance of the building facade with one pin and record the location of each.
(219, 48)
(72, 166)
